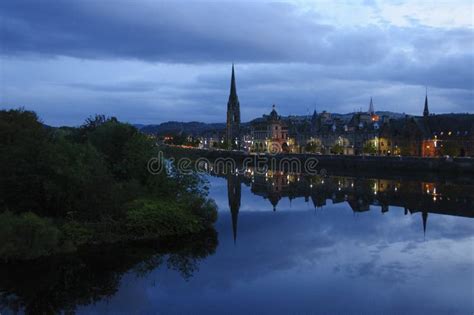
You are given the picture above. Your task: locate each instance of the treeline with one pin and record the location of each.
(62, 187)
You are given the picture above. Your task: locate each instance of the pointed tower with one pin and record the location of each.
(315, 123)
(426, 112)
(371, 107)
(314, 118)
(234, 196)
(233, 115)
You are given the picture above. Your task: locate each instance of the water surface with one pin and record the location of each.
(289, 244)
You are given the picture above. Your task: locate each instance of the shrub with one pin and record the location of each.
(26, 236)
(205, 209)
(148, 218)
(76, 233)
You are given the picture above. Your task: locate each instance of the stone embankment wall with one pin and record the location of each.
(442, 165)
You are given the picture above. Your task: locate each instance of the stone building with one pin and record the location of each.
(335, 135)
(270, 134)
(365, 133)
(429, 135)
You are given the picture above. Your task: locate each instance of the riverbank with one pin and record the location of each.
(28, 236)
(63, 188)
(341, 163)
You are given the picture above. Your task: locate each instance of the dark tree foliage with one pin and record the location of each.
(24, 167)
(89, 173)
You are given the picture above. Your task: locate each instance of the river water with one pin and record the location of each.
(284, 244)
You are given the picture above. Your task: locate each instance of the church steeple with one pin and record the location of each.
(371, 107)
(426, 112)
(233, 89)
(314, 122)
(374, 117)
(233, 115)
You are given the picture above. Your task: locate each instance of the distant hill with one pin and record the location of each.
(188, 128)
(196, 128)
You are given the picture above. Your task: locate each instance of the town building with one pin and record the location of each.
(360, 133)
(429, 135)
(333, 135)
(270, 134)
(365, 133)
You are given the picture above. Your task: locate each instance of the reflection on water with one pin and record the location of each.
(61, 283)
(287, 243)
(359, 193)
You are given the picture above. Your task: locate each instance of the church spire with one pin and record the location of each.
(233, 90)
(426, 112)
(233, 116)
(371, 107)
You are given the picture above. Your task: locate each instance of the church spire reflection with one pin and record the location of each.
(424, 216)
(234, 196)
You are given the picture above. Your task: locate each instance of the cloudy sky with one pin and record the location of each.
(148, 61)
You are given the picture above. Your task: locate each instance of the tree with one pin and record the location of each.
(369, 148)
(405, 149)
(86, 179)
(90, 171)
(337, 149)
(313, 147)
(24, 164)
(451, 148)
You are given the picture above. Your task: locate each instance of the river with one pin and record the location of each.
(284, 244)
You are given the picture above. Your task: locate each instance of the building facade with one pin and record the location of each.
(335, 135)
(360, 133)
(430, 135)
(270, 134)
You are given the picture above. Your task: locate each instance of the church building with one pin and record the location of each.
(233, 116)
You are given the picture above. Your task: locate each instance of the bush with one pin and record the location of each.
(337, 149)
(369, 148)
(205, 209)
(76, 233)
(152, 218)
(26, 236)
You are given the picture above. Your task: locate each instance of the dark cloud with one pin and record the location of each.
(285, 55)
(124, 87)
(204, 32)
(169, 32)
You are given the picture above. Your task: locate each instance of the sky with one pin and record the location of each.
(148, 62)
